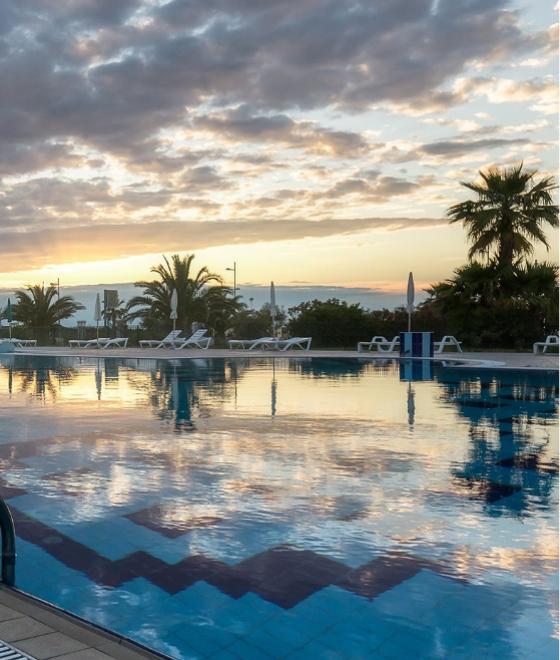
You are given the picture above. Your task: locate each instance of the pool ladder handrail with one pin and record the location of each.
(8, 531)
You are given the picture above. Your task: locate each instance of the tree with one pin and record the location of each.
(490, 306)
(116, 317)
(40, 307)
(510, 213)
(197, 293)
(331, 323)
(255, 323)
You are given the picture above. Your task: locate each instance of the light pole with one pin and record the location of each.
(234, 269)
(57, 285)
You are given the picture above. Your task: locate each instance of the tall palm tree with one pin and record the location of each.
(195, 291)
(40, 307)
(510, 213)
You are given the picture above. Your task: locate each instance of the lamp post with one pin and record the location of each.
(57, 285)
(234, 269)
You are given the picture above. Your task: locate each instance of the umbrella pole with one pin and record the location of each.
(174, 324)
(409, 321)
(10, 329)
(97, 329)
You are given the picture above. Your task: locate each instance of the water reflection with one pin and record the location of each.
(43, 381)
(510, 464)
(426, 483)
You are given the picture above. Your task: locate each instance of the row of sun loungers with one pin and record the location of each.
(197, 340)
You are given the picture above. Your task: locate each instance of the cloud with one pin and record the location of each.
(39, 248)
(137, 111)
(441, 151)
(542, 92)
(148, 68)
(240, 124)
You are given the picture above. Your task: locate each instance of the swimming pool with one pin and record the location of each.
(298, 508)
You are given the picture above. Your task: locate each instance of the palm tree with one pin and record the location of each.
(116, 316)
(510, 213)
(471, 283)
(195, 293)
(36, 306)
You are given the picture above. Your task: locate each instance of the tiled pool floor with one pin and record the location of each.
(311, 509)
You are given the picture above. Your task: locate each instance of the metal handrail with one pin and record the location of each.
(8, 545)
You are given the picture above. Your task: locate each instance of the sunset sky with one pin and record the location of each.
(312, 141)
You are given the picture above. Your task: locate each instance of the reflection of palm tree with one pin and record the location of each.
(506, 404)
(44, 381)
(176, 388)
(273, 389)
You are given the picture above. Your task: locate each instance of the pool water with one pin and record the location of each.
(288, 508)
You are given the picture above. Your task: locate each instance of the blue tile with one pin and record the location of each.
(243, 650)
(277, 646)
(317, 651)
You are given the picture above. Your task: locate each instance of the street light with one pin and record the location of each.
(57, 285)
(234, 269)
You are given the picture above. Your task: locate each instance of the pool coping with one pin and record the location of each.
(46, 620)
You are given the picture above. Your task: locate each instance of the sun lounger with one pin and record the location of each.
(247, 344)
(22, 343)
(117, 342)
(271, 343)
(88, 343)
(380, 343)
(550, 341)
(196, 340)
(161, 343)
(303, 343)
(102, 342)
(447, 340)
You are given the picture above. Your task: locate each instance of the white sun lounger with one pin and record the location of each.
(447, 340)
(196, 340)
(161, 343)
(550, 341)
(247, 344)
(380, 343)
(88, 343)
(22, 343)
(102, 342)
(303, 343)
(117, 342)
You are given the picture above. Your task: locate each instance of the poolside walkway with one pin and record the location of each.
(44, 632)
(496, 359)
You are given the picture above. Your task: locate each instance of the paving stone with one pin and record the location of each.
(49, 646)
(22, 628)
(84, 654)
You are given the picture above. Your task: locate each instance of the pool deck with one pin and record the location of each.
(42, 632)
(498, 360)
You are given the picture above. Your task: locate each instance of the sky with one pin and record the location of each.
(316, 143)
